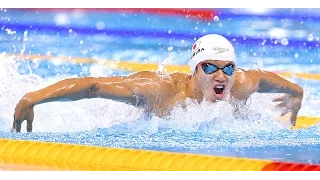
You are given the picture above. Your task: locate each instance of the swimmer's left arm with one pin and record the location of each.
(268, 82)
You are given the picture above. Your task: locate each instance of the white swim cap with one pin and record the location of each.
(211, 47)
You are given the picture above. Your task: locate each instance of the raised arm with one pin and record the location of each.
(268, 82)
(129, 89)
(117, 88)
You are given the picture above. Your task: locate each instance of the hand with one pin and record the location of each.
(23, 111)
(291, 104)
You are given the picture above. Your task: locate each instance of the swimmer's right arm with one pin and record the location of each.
(117, 88)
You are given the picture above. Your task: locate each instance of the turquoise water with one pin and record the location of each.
(283, 40)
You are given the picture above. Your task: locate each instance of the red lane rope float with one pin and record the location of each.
(202, 14)
(279, 166)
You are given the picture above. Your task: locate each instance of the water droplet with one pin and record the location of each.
(169, 31)
(284, 41)
(81, 42)
(170, 48)
(25, 34)
(61, 19)
(100, 25)
(70, 30)
(310, 37)
(296, 55)
(216, 18)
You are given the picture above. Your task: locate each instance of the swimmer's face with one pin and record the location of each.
(215, 78)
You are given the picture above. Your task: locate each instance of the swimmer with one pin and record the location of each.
(214, 77)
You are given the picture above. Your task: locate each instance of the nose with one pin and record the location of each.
(219, 77)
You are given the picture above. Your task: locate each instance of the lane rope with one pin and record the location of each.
(137, 66)
(90, 158)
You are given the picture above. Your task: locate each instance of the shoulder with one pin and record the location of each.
(180, 76)
(161, 76)
(149, 76)
(163, 84)
(241, 75)
(244, 82)
(247, 74)
(144, 74)
(180, 79)
(247, 81)
(156, 79)
(176, 80)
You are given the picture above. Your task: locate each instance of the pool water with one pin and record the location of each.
(283, 41)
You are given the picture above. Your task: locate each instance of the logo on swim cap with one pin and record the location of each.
(220, 50)
(211, 47)
(196, 45)
(196, 51)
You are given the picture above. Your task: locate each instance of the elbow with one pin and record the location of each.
(93, 89)
(300, 91)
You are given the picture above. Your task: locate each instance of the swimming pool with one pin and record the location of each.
(277, 43)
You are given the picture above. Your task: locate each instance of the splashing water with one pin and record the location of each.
(88, 114)
(204, 128)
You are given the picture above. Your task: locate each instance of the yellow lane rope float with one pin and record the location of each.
(305, 122)
(137, 66)
(57, 156)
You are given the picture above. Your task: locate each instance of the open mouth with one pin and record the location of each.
(218, 90)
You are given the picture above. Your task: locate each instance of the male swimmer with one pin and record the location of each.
(214, 77)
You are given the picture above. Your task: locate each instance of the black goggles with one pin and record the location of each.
(209, 68)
